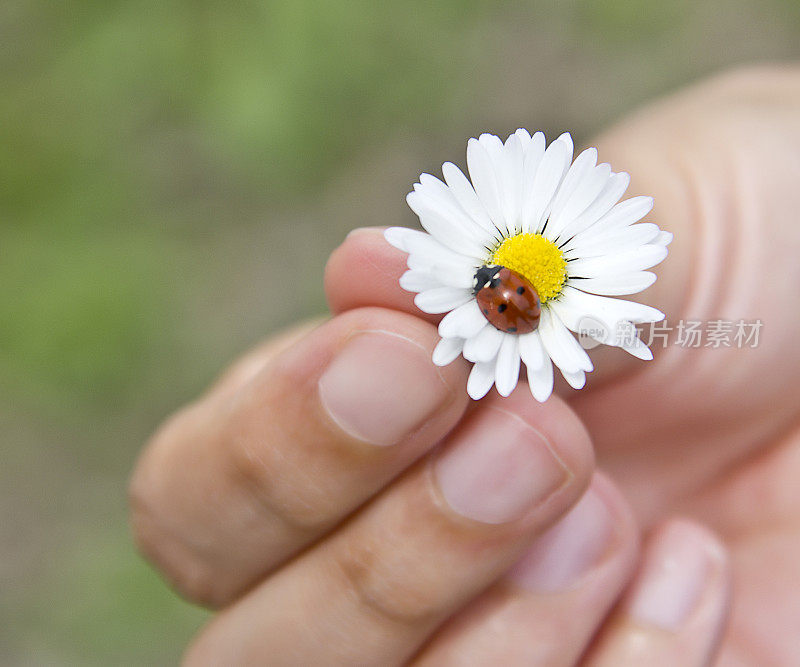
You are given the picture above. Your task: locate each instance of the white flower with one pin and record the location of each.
(559, 227)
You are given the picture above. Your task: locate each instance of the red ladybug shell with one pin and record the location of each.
(507, 300)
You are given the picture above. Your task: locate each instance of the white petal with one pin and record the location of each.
(481, 379)
(575, 380)
(464, 322)
(492, 143)
(452, 275)
(531, 350)
(484, 180)
(641, 258)
(573, 306)
(447, 228)
(614, 189)
(540, 381)
(566, 139)
(507, 160)
(484, 345)
(638, 349)
(447, 351)
(507, 369)
(580, 171)
(427, 254)
(524, 138)
(663, 238)
(399, 237)
(443, 198)
(441, 265)
(441, 299)
(616, 285)
(593, 244)
(465, 195)
(561, 345)
(587, 192)
(534, 151)
(539, 195)
(425, 246)
(418, 281)
(511, 183)
(626, 212)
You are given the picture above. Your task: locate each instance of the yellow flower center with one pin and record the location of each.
(536, 259)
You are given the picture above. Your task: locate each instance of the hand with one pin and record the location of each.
(243, 499)
(300, 494)
(710, 433)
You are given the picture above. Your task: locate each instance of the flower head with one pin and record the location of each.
(528, 251)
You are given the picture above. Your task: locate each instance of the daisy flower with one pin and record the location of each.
(533, 248)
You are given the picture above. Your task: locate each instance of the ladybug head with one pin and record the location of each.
(486, 276)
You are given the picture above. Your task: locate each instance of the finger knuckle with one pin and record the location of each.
(146, 499)
(262, 471)
(155, 528)
(195, 582)
(389, 589)
(145, 516)
(185, 570)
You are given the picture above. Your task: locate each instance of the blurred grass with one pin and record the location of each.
(128, 122)
(163, 163)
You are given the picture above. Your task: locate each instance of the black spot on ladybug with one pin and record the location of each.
(512, 329)
(520, 290)
(501, 307)
(485, 311)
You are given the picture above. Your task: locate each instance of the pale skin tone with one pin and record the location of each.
(336, 528)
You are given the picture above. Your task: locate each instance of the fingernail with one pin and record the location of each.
(498, 468)
(381, 387)
(674, 577)
(565, 554)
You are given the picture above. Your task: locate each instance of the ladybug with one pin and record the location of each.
(507, 300)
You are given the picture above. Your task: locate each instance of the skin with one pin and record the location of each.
(320, 548)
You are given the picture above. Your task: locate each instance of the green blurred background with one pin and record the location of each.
(164, 164)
